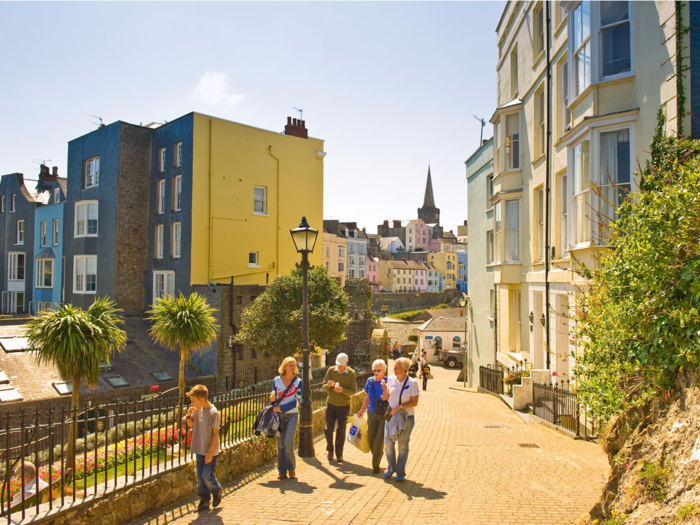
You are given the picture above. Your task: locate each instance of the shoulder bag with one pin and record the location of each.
(380, 406)
(387, 414)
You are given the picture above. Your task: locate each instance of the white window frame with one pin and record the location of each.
(540, 115)
(580, 237)
(166, 279)
(80, 269)
(57, 195)
(538, 30)
(361, 273)
(2, 204)
(79, 231)
(43, 233)
(490, 245)
(19, 238)
(13, 202)
(539, 224)
(161, 160)
(564, 214)
(264, 201)
(178, 154)
(177, 193)
(341, 266)
(13, 266)
(564, 75)
(514, 80)
(575, 51)
(498, 231)
(341, 251)
(511, 232)
(41, 265)
(351, 272)
(508, 162)
(253, 260)
(176, 240)
(91, 173)
(56, 231)
(597, 43)
(161, 197)
(160, 241)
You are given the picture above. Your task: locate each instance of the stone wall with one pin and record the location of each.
(379, 345)
(359, 330)
(403, 301)
(163, 489)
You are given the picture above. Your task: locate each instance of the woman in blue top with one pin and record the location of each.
(375, 418)
(289, 415)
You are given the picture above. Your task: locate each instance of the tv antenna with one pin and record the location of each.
(98, 118)
(483, 124)
(301, 112)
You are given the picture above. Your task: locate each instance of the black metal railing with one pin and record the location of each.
(557, 404)
(514, 375)
(491, 379)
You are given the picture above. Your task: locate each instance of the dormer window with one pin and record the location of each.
(57, 195)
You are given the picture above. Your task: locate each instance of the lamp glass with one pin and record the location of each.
(304, 237)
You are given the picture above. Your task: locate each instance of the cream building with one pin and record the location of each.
(335, 255)
(446, 264)
(612, 68)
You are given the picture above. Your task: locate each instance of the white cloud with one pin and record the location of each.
(215, 88)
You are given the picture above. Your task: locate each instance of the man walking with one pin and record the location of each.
(340, 383)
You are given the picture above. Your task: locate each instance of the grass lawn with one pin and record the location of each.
(80, 484)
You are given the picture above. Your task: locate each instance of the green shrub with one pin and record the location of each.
(653, 479)
(413, 338)
(615, 519)
(686, 513)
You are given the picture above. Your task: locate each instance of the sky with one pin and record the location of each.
(390, 86)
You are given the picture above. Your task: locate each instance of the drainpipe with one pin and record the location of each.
(233, 327)
(211, 220)
(548, 166)
(277, 198)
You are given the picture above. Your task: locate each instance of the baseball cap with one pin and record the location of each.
(341, 360)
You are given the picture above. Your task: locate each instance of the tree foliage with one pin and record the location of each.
(273, 322)
(638, 323)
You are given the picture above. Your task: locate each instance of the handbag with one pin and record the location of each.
(387, 414)
(380, 407)
(267, 422)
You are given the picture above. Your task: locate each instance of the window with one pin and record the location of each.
(513, 141)
(514, 299)
(351, 272)
(163, 285)
(564, 226)
(260, 200)
(489, 247)
(539, 123)
(176, 240)
(2, 204)
(538, 30)
(239, 299)
(13, 202)
(86, 213)
(161, 376)
(513, 231)
(253, 260)
(177, 193)
(615, 38)
(178, 154)
(85, 274)
(57, 195)
(43, 233)
(615, 171)
(497, 155)
(20, 233)
(361, 272)
(160, 194)
(540, 225)
(55, 232)
(161, 162)
(341, 251)
(253, 353)
(514, 72)
(581, 47)
(239, 352)
(160, 240)
(497, 229)
(15, 269)
(63, 388)
(489, 190)
(491, 298)
(581, 191)
(116, 381)
(351, 260)
(44, 273)
(92, 172)
(565, 111)
(341, 266)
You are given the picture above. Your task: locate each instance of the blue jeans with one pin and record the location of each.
(398, 466)
(207, 484)
(285, 443)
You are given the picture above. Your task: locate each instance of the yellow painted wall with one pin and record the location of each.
(229, 159)
(440, 259)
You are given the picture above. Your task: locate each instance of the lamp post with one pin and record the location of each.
(464, 303)
(304, 238)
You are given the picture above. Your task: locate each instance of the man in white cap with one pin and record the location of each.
(340, 383)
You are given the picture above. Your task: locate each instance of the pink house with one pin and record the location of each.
(420, 278)
(373, 273)
(417, 236)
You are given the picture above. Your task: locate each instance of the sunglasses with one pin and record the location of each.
(377, 371)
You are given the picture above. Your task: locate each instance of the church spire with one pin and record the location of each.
(429, 200)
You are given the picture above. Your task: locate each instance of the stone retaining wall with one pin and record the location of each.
(130, 502)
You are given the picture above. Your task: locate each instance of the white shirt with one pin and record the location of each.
(29, 491)
(409, 391)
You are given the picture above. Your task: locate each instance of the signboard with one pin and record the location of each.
(428, 337)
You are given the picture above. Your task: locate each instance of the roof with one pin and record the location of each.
(406, 265)
(134, 364)
(386, 241)
(429, 199)
(444, 324)
(440, 312)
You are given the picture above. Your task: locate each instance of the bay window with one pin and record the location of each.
(512, 149)
(564, 208)
(497, 229)
(15, 268)
(615, 48)
(44, 273)
(581, 47)
(512, 221)
(615, 171)
(540, 225)
(581, 188)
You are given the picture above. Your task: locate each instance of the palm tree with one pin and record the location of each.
(185, 325)
(77, 342)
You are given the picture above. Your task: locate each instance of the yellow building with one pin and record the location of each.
(249, 188)
(335, 253)
(613, 68)
(446, 264)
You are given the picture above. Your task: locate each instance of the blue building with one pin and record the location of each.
(357, 249)
(48, 241)
(462, 267)
(17, 207)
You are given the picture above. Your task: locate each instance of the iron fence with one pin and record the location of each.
(491, 379)
(557, 404)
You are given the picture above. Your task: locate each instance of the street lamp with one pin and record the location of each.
(304, 238)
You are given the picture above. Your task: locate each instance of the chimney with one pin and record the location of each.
(386, 224)
(397, 224)
(46, 176)
(364, 230)
(465, 222)
(55, 171)
(484, 141)
(296, 128)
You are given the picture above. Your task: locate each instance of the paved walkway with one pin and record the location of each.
(467, 465)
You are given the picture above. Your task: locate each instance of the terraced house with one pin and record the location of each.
(613, 66)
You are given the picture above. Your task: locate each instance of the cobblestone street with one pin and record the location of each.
(472, 461)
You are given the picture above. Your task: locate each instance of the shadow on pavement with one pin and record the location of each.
(210, 518)
(290, 485)
(339, 483)
(414, 489)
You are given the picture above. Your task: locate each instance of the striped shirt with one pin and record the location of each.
(289, 404)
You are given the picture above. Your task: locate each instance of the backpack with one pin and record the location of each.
(268, 422)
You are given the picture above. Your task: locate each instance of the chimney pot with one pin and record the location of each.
(303, 123)
(55, 171)
(465, 222)
(294, 121)
(484, 141)
(289, 121)
(386, 224)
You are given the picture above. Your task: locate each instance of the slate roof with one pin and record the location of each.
(444, 324)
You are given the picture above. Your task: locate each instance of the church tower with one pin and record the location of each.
(428, 212)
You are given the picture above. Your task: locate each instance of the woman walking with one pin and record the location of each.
(375, 408)
(289, 415)
(424, 369)
(402, 393)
